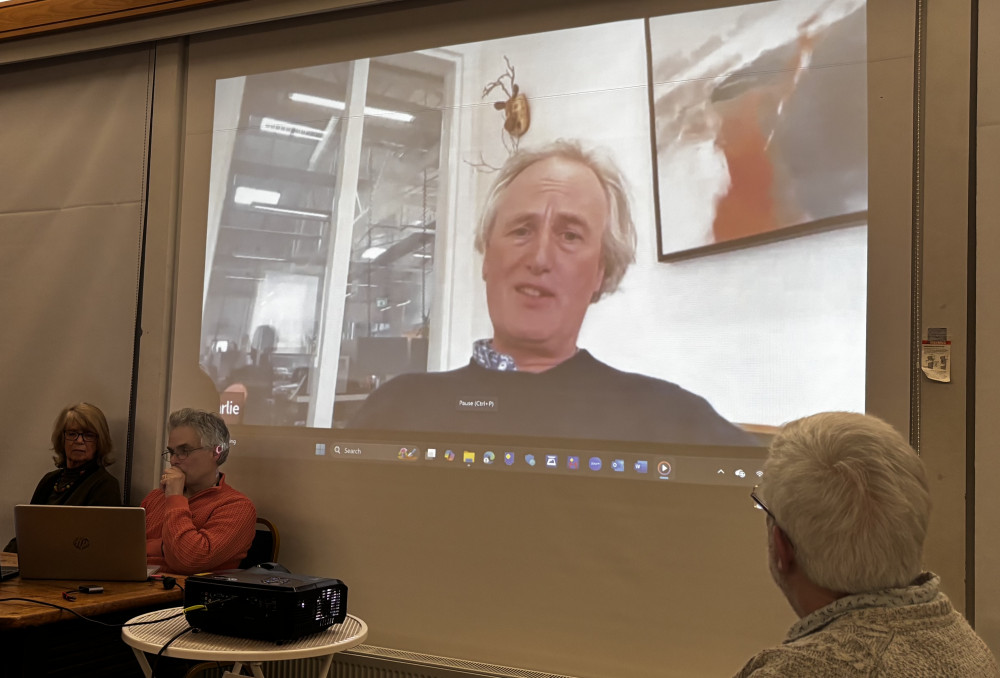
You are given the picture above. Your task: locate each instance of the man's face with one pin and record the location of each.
(542, 263)
(199, 466)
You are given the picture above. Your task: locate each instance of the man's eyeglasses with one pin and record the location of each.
(181, 453)
(761, 505)
(71, 435)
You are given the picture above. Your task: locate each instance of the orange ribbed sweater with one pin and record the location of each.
(210, 531)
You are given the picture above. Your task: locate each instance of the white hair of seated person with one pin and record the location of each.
(852, 497)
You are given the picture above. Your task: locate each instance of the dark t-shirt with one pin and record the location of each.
(580, 398)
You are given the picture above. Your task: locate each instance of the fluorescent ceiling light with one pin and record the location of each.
(403, 303)
(297, 213)
(249, 196)
(317, 101)
(397, 116)
(254, 257)
(290, 129)
(372, 253)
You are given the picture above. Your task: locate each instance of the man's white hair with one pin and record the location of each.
(852, 496)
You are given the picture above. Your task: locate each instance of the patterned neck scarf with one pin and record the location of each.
(68, 479)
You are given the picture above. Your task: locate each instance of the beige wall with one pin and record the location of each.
(987, 428)
(942, 199)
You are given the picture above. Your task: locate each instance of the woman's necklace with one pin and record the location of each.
(66, 479)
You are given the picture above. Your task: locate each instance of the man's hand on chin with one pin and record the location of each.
(172, 481)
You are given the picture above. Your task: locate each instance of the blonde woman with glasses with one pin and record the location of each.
(83, 449)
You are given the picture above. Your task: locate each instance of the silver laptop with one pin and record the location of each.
(92, 543)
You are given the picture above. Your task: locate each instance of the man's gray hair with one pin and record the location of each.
(619, 243)
(852, 496)
(210, 427)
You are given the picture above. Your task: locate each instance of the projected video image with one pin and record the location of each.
(539, 236)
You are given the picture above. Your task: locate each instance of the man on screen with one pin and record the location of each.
(556, 236)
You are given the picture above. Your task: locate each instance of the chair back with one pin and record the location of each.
(264, 548)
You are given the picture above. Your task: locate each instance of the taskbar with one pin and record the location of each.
(698, 469)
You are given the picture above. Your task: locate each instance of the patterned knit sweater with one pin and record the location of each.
(910, 632)
(210, 531)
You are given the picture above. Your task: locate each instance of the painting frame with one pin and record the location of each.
(762, 136)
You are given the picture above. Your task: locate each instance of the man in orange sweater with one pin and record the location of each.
(195, 522)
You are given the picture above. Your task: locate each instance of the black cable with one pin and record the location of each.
(121, 626)
(168, 582)
(98, 621)
(156, 660)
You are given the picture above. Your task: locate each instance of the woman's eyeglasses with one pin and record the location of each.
(72, 435)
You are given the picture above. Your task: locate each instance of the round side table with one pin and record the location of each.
(213, 647)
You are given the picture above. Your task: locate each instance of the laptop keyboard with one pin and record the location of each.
(8, 572)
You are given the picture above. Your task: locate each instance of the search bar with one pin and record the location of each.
(375, 451)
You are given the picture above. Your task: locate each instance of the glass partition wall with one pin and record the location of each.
(309, 155)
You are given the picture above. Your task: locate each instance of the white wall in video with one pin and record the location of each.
(345, 199)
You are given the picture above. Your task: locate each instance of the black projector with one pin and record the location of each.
(264, 604)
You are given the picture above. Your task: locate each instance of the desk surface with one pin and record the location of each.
(213, 647)
(117, 596)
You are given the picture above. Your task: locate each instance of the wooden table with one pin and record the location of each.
(39, 639)
(118, 596)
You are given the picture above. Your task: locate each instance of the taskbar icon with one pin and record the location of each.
(408, 453)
